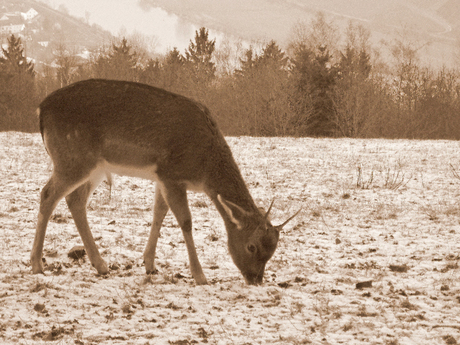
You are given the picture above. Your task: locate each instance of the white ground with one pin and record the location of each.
(367, 205)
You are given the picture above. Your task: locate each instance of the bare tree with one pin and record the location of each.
(319, 32)
(66, 65)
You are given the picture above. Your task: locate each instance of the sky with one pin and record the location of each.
(120, 15)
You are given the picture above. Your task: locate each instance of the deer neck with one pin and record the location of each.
(226, 181)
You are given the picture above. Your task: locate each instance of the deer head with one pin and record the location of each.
(252, 239)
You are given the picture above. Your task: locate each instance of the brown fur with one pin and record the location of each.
(97, 127)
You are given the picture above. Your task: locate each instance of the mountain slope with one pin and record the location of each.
(433, 22)
(50, 29)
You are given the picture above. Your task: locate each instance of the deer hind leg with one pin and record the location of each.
(77, 201)
(159, 212)
(176, 197)
(55, 189)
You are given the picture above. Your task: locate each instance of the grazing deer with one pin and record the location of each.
(97, 127)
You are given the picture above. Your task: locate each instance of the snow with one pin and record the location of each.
(367, 204)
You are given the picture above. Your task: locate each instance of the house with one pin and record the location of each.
(13, 24)
(29, 15)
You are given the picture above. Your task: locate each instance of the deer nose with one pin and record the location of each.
(254, 279)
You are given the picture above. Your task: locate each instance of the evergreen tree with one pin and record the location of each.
(174, 58)
(119, 63)
(314, 78)
(199, 55)
(262, 82)
(273, 56)
(353, 93)
(151, 74)
(121, 56)
(14, 61)
(17, 91)
(175, 76)
(354, 64)
(247, 64)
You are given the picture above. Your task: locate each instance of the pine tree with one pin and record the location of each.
(17, 91)
(261, 82)
(354, 64)
(119, 63)
(248, 64)
(174, 67)
(272, 58)
(122, 57)
(14, 61)
(314, 78)
(272, 55)
(151, 73)
(199, 55)
(353, 95)
(174, 58)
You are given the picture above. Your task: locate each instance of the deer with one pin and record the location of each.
(98, 127)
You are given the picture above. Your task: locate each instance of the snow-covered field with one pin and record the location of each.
(378, 213)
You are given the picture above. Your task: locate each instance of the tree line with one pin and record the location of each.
(325, 84)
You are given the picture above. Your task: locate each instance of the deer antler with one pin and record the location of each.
(269, 209)
(280, 227)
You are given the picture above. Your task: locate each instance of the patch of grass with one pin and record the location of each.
(395, 179)
(346, 195)
(454, 172)
(54, 334)
(450, 266)
(406, 304)
(39, 286)
(384, 211)
(392, 342)
(60, 218)
(449, 339)
(348, 326)
(363, 312)
(170, 278)
(399, 268)
(325, 309)
(431, 211)
(362, 181)
(452, 210)
(296, 308)
(199, 204)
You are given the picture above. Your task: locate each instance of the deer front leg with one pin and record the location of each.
(53, 191)
(195, 266)
(76, 201)
(176, 197)
(160, 209)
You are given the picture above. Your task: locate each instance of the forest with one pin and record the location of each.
(326, 83)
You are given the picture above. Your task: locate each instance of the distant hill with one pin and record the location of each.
(47, 29)
(436, 22)
(450, 10)
(433, 24)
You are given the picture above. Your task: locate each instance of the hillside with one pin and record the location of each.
(432, 22)
(48, 29)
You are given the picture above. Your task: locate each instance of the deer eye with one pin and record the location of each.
(251, 248)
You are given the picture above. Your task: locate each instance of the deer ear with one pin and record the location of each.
(230, 208)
